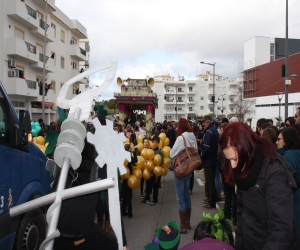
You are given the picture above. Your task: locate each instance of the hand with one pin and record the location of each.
(125, 248)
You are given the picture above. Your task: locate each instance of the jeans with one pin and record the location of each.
(218, 183)
(182, 187)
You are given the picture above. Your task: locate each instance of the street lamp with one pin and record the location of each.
(213, 96)
(222, 103)
(280, 95)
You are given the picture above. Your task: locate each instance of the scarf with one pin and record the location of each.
(250, 180)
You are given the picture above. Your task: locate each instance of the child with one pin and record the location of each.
(153, 182)
(126, 190)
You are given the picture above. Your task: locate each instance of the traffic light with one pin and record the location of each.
(212, 98)
(283, 70)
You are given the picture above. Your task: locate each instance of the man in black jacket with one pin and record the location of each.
(171, 134)
(209, 155)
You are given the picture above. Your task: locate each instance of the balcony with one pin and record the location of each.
(170, 111)
(77, 52)
(50, 7)
(78, 29)
(191, 111)
(39, 31)
(180, 101)
(23, 13)
(170, 101)
(232, 93)
(21, 87)
(181, 92)
(19, 48)
(49, 97)
(49, 65)
(170, 91)
(191, 92)
(180, 111)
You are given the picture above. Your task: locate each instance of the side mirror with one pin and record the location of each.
(25, 127)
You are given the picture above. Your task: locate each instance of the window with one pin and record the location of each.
(20, 71)
(62, 36)
(202, 98)
(180, 90)
(231, 99)
(53, 56)
(40, 48)
(74, 65)
(201, 107)
(75, 91)
(53, 26)
(19, 33)
(73, 41)
(190, 89)
(224, 108)
(179, 99)
(190, 108)
(53, 86)
(219, 108)
(18, 104)
(4, 135)
(62, 62)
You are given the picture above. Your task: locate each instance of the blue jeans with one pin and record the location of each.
(182, 187)
(218, 183)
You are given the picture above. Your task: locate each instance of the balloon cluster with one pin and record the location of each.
(40, 143)
(35, 128)
(148, 161)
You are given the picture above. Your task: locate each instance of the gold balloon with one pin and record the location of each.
(140, 147)
(132, 182)
(125, 176)
(144, 153)
(150, 144)
(140, 163)
(157, 160)
(146, 174)
(149, 154)
(140, 138)
(162, 136)
(40, 140)
(160, 144)
(125, 162)
(166, 142)
(166, 163)
(149, 165)
(138, 173)
(166, 151)
(157, 170)
(164, 171)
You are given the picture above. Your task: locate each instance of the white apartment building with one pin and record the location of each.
(192, 98)
(22, 50)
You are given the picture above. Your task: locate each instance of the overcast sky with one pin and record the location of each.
(152, 37)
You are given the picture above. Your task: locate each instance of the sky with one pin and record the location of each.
(154, 37)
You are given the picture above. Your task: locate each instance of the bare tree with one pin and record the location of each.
(243, 106)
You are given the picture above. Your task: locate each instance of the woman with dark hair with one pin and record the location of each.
(212, 234)
(182, 185)
(290, 121)
(270, 134)
(288, 143)
(265, 190)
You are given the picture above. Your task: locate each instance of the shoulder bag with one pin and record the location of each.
(186, 161)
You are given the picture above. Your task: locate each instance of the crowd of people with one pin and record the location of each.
(257, 172)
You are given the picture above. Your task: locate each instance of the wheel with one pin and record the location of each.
(31, 231)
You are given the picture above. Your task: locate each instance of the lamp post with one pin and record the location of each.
(280, 95)
(213, 96)
(222, 103)
(44, 64)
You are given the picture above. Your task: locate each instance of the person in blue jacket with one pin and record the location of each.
(288, 143)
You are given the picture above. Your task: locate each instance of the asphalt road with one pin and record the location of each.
(140, 229)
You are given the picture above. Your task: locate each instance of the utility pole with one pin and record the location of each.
(44, 64)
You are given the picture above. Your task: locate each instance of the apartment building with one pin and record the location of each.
(192, 98)
(66, 54)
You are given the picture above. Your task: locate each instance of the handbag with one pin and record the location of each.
(186, 161)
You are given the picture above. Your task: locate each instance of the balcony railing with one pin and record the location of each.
(82, 51)
(179, 100)
(31, 48)
(30, 11)
(43, 25)
(31, 84)
(42, 57)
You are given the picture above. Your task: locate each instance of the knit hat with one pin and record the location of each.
(168, 239)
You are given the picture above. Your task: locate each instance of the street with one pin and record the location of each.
(140, 229)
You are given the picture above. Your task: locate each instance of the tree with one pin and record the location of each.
(243, 106)
(111, 104)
